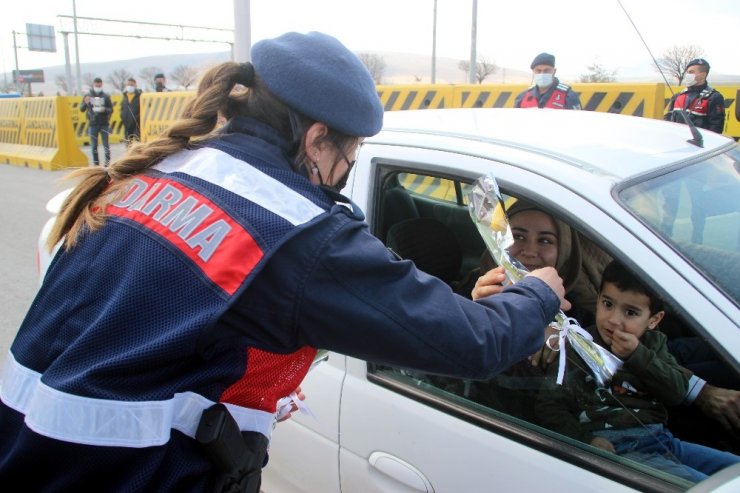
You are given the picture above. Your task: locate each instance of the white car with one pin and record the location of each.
(635, 189)
(378, 429)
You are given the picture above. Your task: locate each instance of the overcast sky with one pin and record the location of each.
(510, 33)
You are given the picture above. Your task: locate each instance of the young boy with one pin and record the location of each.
(629, 417)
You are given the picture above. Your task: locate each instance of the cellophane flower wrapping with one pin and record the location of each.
(488, 211)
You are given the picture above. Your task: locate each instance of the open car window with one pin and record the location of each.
(424, 218)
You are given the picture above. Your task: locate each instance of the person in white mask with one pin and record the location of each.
(98, 107)
(547, 91)
(705, 105)
(131, 110)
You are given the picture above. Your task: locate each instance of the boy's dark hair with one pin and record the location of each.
(97, 79)
(624, 280)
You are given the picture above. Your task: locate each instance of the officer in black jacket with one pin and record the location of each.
(98, 107)
(704, 104)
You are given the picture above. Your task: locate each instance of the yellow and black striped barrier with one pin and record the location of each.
(47, 132)
(486, 96)
(634, 99)
(415, 97)
(37, 133)
(628, 99)
(159, 110)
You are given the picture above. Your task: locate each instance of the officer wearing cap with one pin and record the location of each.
(199, 274)
(547, 91)
(703, 104)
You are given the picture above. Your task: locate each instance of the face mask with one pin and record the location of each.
(543, 80)
(98, 90)
(130, 89)
(689, 80)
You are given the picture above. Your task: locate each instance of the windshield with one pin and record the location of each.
(697, 209)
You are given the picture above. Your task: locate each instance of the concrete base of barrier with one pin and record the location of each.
(46, 158)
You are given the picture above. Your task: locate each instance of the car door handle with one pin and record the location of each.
(400, 470)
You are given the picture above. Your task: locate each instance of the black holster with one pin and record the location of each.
(237, 456)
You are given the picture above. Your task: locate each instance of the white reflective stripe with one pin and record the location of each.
(103, 422)
(238, 177)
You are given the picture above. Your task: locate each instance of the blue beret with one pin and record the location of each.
(699, 61)
(318, 76)
(543, 59)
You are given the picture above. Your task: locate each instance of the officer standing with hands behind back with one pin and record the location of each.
(704, 104)
(200, 273)
(547, 90)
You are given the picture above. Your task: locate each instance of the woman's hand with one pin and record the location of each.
(489, 283)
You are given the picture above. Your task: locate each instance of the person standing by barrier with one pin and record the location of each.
(547, 90)
(200, 274)
(704, 104)
(160, 83)
(98, 108)
(130, 111)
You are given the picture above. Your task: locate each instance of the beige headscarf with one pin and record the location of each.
(569, 248)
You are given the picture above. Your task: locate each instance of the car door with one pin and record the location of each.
(398, 433)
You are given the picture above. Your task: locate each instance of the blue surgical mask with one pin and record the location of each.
(98, 90)
(689, 80)
(543, 80)
(130, 89)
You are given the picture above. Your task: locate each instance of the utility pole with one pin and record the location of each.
(434, 45)
(17, 72)
(473, 36)
(77, 48)
(242, 31)
(67, 67)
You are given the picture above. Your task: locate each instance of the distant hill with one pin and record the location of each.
(401, 68)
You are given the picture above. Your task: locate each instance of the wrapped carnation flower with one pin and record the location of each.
(488, 211)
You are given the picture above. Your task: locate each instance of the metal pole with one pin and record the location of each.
(17, 72)
(473, 36)
(77, 48)
(434, 45)
(67, 65)
(242, 31)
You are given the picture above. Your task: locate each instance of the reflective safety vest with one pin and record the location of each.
(556, 100)
(697, 106)
(198, 247)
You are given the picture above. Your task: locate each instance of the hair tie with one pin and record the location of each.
(245, 76)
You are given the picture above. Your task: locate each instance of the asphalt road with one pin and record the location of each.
(23, 195)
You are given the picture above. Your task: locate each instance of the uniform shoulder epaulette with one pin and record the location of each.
(563, 87)
(707, 91)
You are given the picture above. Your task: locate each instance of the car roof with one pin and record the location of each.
(602, 143)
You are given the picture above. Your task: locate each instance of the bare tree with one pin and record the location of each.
(598, 73)
(118, 78)
(676, 58)
(184, 75)
(483, 69)
(61, 82)
(147, 76)
(375, 64)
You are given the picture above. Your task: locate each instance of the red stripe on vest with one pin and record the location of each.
(232, 259)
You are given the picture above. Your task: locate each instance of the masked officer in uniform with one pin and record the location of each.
(199, 274)
(704, 104)
(547, 91)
